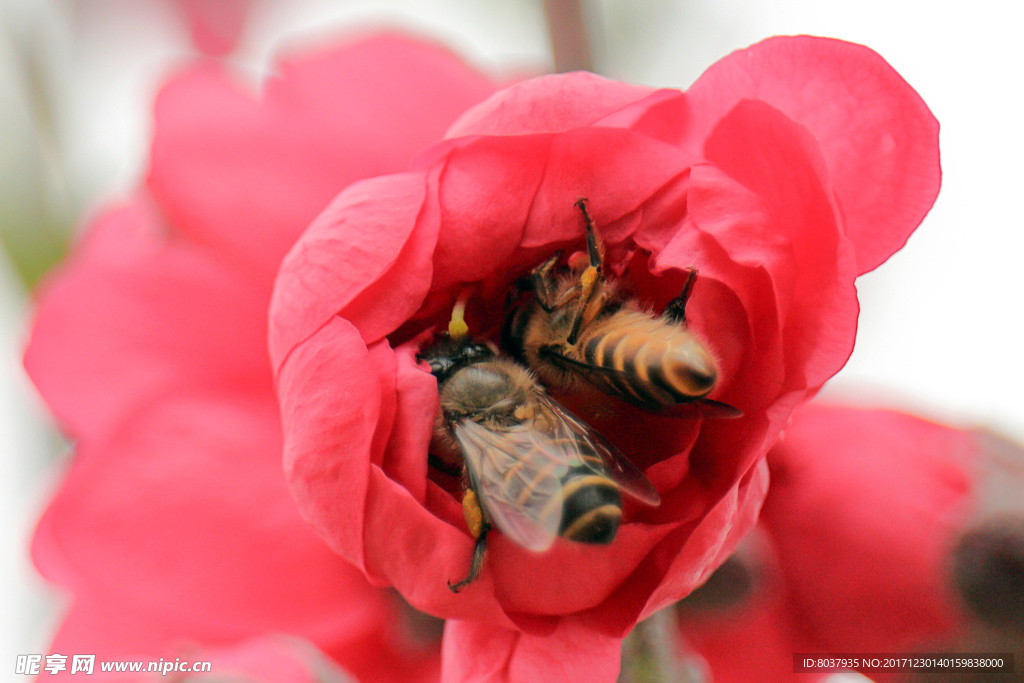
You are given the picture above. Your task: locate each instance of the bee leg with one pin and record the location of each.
(478, 525)
(675, 312)
(589, 286)
(477, 562)
(595, 249)
(592, 277)
(543, 284)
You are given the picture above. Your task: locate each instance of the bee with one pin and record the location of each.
(579, 327)
(532, 469)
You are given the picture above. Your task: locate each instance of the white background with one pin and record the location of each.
(941, 323)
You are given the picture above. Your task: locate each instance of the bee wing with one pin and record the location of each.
(698, 408)
(702, 407)
(554, 354)
(625, 473)
(518, 474)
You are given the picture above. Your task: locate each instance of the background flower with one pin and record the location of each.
(215, 26)
(174, 526)
(854, 552)
(756, 176)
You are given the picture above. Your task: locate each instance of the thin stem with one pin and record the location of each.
(568, 30)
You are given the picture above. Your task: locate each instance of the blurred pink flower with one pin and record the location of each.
(783, 173)
(174, 527)
(855, 547)
(216, 25)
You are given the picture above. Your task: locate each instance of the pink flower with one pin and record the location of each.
(855, 548)
(215, 26)
(783, 173)
(174, 526)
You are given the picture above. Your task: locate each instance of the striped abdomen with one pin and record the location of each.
(654, 363)
(591, 503)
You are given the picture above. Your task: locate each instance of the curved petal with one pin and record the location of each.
(330, 404)
(479, 652)
(782, 164)
(713, 540)
(752, 641)
(331, 395)
(271, 659)
(760, 223)
(182, 514)
(887, 489)
(139, 315)
(425, 550)
(684, 559)
(548, 104)
(215, 26)
(386, 651)
(111, 628)
(246, 174)
(879, 139)
(523, 191)
(367, 257)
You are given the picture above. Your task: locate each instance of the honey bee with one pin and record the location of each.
(531, 468)
(580, 327)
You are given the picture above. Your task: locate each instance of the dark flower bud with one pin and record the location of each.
(988, 569)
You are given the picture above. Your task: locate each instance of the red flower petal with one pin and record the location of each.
(478, 652)
(891, 493)
(549, 104)
(145, 317)
(331, 395)
(524, 189)
(332, 446)
(780, 162)
(200, 562)
(857, 531)
(247, 175)
(713, 540)
(269, 659)
(367, 257)
(106, 627)
(750, 642)
(216, 26)
(879, 139)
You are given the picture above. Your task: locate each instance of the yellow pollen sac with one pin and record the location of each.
(589, 277)
(472, 512)
(523, 413)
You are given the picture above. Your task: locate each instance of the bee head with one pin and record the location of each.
(449, 355)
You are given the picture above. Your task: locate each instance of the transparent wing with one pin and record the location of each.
(625, 473)
(517, 473)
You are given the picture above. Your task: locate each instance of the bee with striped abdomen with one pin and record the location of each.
(531, 468)
(579, 327)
